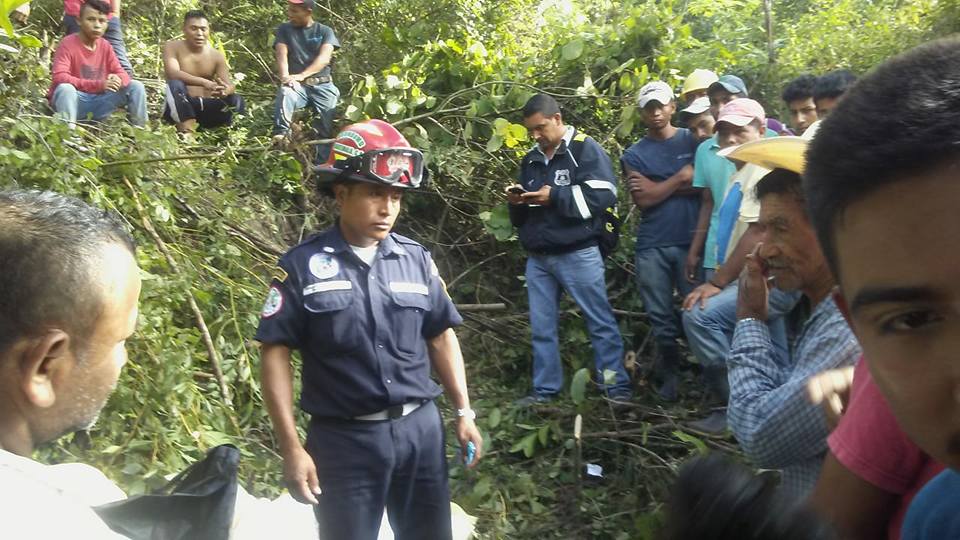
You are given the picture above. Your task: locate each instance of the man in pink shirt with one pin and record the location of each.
(113, 33)
(872, 470)
(88, 81)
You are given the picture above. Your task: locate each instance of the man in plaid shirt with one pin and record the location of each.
(777, 427)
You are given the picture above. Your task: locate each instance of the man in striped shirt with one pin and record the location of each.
(777, 427)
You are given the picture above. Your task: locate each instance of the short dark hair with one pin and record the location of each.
(541, 103)
(899, 119)
(799, 88)
(194, 14)
(781, 182)
(717, 498)
(49, 248)
(96, 5)
(833, 84)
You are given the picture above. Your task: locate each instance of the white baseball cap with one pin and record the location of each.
(658, 91)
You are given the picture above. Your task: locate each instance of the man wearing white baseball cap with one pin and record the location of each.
(659, 172)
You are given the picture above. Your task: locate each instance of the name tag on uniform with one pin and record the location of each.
(404, 287)
(326, 286)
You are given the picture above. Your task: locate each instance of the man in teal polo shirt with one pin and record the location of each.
(713, 172)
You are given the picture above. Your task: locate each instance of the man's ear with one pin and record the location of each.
(48, 360)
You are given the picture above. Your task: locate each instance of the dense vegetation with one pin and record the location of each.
(212, 217)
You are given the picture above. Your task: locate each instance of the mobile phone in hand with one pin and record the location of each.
(516, 189)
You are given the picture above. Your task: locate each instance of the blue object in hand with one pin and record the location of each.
(471, 452)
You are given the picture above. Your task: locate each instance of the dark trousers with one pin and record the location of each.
(113, 35)
(208, 112)
(365, 467)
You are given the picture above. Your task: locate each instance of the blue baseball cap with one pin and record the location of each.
(732, 84)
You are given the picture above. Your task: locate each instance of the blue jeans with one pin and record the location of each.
(581, 274)
(113, 35)
(322, 99)
(659, 271)
(72, 104)
(710, 330)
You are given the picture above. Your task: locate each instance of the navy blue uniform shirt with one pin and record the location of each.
(361, 330)
(673, 221)
(581, 189)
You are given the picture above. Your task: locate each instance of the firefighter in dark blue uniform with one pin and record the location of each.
(370, 316)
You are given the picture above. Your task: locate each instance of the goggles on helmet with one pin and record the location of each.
(400, 167)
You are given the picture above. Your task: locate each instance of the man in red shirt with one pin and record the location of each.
(113, 34)
(88, 81)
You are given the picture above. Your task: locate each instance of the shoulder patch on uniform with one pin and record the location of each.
(273, 304)
(323, 265)
(279, 274)
(580, 137)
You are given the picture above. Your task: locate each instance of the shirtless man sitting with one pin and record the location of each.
(199, 87)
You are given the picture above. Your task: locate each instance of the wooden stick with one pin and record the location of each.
(198, 315)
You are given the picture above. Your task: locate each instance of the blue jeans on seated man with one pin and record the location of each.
(581, 274)
(322, 99)
(710, 331)
(113, 35)
(659, 271)
(72, 105)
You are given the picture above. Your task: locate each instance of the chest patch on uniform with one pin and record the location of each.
(273, 303)
(562, 177)
(326, 286)
(323, 265)
(404, 287)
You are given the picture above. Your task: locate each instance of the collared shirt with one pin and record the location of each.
(582, 187)
(740, 208)
(769, 413)
(361, 329)
(712, 172)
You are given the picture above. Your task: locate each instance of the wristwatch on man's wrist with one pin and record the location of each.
(467, 413)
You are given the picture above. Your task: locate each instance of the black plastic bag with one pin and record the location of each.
(196, 505)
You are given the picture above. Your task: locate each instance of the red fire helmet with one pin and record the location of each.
(372, 151)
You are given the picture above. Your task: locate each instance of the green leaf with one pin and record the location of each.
(609, 376)
(394, 107)
(90, 163)
(572, 50)
(578, 386)
(353, 112)
(493, 418)
(626, 82)
(698, 444)
(542, 435)
(32, 42)
(6, 7)
(392, 81)
(495, 143)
